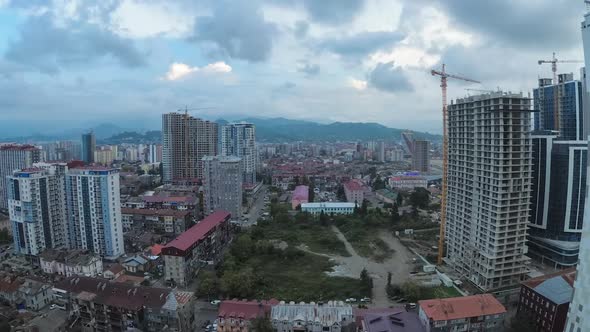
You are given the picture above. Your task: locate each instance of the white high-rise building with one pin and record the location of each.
(222, 185)
(14, 157)
(37, 209)
(488, 188)
(239, 139)
(578, 317)
(94, 210)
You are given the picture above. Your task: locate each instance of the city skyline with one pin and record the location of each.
(320, 61)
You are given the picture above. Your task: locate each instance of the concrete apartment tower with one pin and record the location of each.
(421, 156)
(14, 157)
(488, 188)
(94, 210)
(222, 185)
(185, 141)
(559, 172)
(37, 209)
(88, 147)
(578, 318)
(239, 139)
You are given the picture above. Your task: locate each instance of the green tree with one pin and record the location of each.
(364, 207)
(394, 214)
(340, 194)
(412, 291)
(399, 199)
(522, 322)
(262, 324)
(310, 192)
(241, 284)
(208, 284)
(243, 246)
(378, 183)
(366, 283)
(5, 236)
(420, 198)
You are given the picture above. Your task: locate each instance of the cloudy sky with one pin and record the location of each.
(78, 63)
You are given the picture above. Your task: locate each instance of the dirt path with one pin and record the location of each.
(398, 265)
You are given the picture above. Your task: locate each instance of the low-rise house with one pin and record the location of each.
(328, 208)
(333, 316)
(70, 262)
(386, 196)
(408, 182)
(185, 202)
(113, 272)
(300, 196)
(469, 313)
(52, 321)
(545, 300)
(355, 191)
(165, 220)
(236, 316)
(102, 305)
(199, 245)
(35, 294)
(9, 286)
(136, 263)
(399, 320)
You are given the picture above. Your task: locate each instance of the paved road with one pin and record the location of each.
(257, 206)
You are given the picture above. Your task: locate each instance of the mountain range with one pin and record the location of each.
(267, 130)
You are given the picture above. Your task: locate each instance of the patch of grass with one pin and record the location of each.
(440, 292)
(363, 235)
(303, 229)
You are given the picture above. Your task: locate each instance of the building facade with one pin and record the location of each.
(70, 262)
(222, 185)
(193, 249)
(489, 170)
(37, 209)
(300, 195)
(408, 182)
(469, 313)
(557, 199)
(102, 305)
(155, 153)
(421, 156)
(185, 141)
(14, 157)
(157, 220)
(545, 300)
(328, 208)
(94, 210)
(354, 190)
(578, 318)
(88, 147)
(239, 139)
(333, 316)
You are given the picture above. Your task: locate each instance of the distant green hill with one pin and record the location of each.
(285, 130)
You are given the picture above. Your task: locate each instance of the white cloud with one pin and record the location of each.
(405, 56)
(179, 70)
(357, 84)
(139, 19)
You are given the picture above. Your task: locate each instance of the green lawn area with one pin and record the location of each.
(440, 292)
(363, 234)
(255, 268)
(301, 229)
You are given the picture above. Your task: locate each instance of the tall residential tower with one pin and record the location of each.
(488, 188)
(239, 139)
(421, 156)
(185, 141)
(222, 184)
(88, 147)
(14, 157)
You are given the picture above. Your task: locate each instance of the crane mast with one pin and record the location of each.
(444, 76)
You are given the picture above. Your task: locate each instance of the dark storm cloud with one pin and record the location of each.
(361, 44)
(385, 77)
(333, 11)
(47, 48)
(238, 29)
(309, 69)
(529, 23)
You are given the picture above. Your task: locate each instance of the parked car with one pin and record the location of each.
(366, 299)
(412, 305)
(350, 300)
(215, 302)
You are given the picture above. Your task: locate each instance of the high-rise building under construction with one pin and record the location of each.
(489, 170)
(185, 141)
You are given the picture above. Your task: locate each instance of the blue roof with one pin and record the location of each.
(555, 289)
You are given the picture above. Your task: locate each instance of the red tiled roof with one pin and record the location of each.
(198, 231)
(301, 193)
(117, 294)
(116, 268)
(156, 249)
(354, 185)
(569, 275)
(8, 285)
(245, 309)
(156, 212)
(461, 307)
